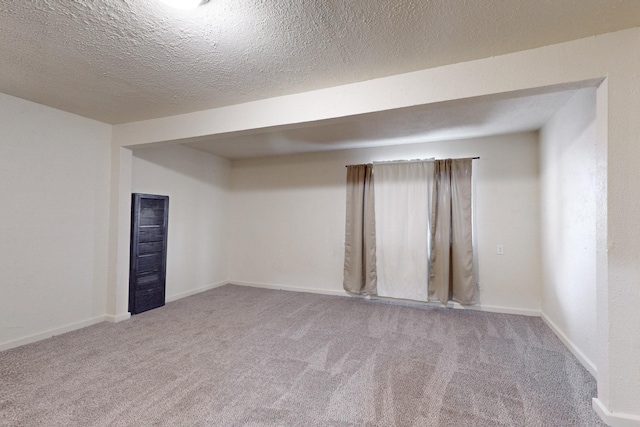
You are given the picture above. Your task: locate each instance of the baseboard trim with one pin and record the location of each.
(586, 362)
(117, 318)
(181, 295)
(614, 419)
(341, 292)
(455, 305)
(51, 333)
(497, 309)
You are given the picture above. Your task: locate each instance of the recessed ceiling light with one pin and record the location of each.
(185, 4)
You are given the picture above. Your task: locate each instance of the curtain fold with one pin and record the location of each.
(360, 275)
(402, 208)
(451, 262)
(440, 256)
(463, 284)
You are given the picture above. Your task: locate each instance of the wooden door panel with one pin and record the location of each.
(149, 262)
(148, 299)
(151, 212)
(147, 275)
(151, 234)
(148, 280)
(150, 247)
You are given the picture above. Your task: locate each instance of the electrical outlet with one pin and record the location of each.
(500, 250)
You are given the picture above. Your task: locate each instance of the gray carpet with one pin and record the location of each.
(237, 356)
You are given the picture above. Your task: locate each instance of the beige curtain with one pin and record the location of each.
(360, 234)
(451, 267)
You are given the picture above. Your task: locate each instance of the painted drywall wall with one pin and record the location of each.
(609, 61)
(54, 170)
(288, 217)
(198, 188)
(568, 223)
(119, 234)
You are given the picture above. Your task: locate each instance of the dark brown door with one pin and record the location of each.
(149, 216)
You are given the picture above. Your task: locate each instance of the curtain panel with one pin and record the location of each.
(451, 268)
(360, 275)
(403, 193)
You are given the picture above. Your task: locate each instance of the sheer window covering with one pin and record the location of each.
(403, 193)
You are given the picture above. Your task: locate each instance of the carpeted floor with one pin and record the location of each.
(237, 356)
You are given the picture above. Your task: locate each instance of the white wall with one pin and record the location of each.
(568, 218)
(288, 216)
(198, 188)
(54, 192)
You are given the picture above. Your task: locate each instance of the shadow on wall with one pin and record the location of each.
(181, 160)
(327, 168)
(311, 170)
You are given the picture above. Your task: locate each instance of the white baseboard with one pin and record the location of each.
(498, 309)
(117, 317)
(340, 292)
(458, 306)
(586, 362)
(614, 419)
(503, 310)
(51, 332)
(175, 297)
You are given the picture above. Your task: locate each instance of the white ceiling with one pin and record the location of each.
(126, 60)
(452, 120)
(119, 61)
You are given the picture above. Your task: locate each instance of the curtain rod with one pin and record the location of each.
(409, 161)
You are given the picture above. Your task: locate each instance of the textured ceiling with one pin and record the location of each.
(125, 60)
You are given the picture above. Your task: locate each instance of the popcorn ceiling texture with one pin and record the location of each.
(125, 60)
